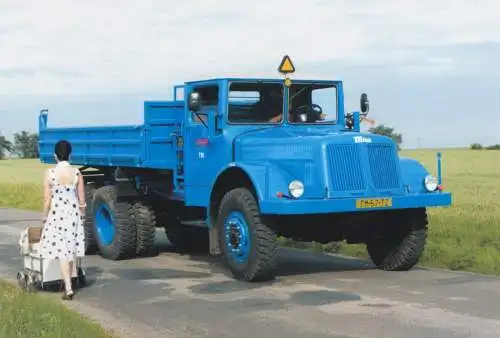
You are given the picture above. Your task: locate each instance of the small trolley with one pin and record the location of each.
(39, 273)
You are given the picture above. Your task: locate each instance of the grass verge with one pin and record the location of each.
(32, 315)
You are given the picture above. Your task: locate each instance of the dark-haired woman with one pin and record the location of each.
(63, 210)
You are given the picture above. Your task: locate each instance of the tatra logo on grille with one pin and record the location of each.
(362, 139)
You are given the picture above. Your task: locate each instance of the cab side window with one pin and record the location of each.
(209, 102)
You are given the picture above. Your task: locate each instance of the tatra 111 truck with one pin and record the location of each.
(231, 164)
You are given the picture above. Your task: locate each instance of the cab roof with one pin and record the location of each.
(275, 80)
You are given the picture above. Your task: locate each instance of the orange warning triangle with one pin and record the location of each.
(286, 65)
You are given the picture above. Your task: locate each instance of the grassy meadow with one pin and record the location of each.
(465, 236)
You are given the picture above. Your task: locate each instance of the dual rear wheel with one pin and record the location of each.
(118, 229)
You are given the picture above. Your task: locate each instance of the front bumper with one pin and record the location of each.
(325, 206)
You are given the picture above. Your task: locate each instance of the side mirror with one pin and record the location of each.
(364, 103)
(194, 101)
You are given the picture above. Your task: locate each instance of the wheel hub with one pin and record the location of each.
(237, 237)
(105, 224)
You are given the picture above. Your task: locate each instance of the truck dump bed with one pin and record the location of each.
(150, 145)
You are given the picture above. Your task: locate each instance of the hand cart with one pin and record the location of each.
(38, 273)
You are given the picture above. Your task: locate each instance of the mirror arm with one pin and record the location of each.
(198, 114)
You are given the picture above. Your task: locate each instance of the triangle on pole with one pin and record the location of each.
(286, 65)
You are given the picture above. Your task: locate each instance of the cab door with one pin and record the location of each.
(200, 160)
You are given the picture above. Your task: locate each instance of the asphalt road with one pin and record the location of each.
(315, 295)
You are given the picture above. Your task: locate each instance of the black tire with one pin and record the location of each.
(123, 243)
(399, 248)
(88, 225)
(261, 262)
(144, 219)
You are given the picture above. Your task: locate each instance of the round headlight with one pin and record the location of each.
(430, 183)
(296, 188)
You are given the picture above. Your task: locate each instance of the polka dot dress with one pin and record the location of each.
(63, 234)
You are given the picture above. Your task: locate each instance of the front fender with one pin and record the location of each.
(267, 178)
(413, 173)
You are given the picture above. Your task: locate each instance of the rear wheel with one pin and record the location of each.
(114, 230)
(144, 219)
(399, 246)
(249, 247)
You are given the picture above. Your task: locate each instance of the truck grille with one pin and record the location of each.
(345, 167)
(383, 166)
(347, 163)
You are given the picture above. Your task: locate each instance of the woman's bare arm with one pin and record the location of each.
(276, 118)
(81, 192)
(47, 196)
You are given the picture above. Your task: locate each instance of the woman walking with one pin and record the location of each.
(63, 212)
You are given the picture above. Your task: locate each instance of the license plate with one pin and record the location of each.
(367, 203)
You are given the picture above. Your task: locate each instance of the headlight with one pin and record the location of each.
(296, 188)
(430, 183)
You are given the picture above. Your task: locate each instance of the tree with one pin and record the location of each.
(5, 146)
(26, 144)
(387, 131)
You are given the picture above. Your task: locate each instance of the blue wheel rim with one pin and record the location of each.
(237, 235)
(105, 224)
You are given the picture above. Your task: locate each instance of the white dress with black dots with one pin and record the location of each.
(63, 235)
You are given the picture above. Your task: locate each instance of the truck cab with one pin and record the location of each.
(244, 123)
(245, 161)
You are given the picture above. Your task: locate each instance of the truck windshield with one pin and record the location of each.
(255, 103)
(313, 103)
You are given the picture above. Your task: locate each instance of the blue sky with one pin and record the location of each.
(431, 68)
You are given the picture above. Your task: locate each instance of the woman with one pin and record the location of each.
(63, 211)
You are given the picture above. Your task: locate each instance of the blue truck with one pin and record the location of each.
(231, 164)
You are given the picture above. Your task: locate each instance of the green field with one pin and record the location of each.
(463, 237)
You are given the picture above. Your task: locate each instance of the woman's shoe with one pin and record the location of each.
(68, 295)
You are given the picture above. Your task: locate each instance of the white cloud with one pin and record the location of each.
(101, 47)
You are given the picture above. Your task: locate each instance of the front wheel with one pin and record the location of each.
(399, 246)
(249, 247)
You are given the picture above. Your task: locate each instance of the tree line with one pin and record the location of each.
(479, 146)
(24, 145)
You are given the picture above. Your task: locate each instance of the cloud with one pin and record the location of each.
(60, 47)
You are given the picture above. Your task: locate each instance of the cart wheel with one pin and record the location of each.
(82, 279)
(22, 280)
(30, 284)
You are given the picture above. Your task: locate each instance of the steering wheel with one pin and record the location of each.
(308, 112)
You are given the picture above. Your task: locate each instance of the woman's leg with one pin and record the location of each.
(66, 274)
